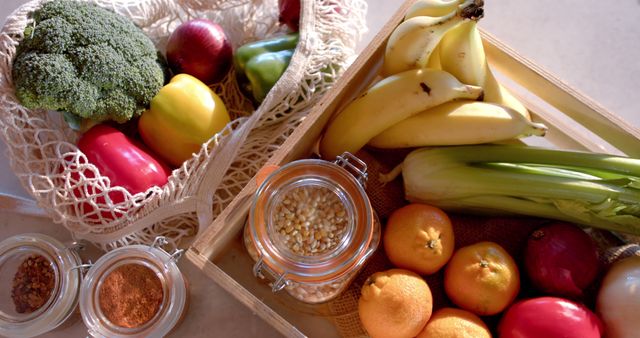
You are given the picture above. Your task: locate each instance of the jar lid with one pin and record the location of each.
(143, 273)
(39, 282)
(311, 220)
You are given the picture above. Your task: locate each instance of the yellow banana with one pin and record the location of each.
(496, 93)
(432, 8)
(434, 59)
(462, 55)
(457, 123)
(411, 44)
(388, 102)
(414, 40)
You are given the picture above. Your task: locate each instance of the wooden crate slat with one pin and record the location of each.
(579, 107)
(563, 134)
(244, 296)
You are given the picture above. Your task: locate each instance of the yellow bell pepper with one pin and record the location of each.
(183, 115)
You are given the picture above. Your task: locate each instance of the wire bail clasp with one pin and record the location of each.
(161, 241)
(280, 281)
(83, 267)
(355, 166)
(75, 246)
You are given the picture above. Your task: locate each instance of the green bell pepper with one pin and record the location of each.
(260, 64)
(264, 70)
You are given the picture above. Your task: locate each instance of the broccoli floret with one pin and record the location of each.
(82, 59)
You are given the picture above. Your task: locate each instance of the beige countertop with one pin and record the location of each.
(590, 44)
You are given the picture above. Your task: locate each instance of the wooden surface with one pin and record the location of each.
(21, 205)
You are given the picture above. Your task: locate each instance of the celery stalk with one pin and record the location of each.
(598, 190)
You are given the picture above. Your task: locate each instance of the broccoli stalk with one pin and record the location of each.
(85, 60)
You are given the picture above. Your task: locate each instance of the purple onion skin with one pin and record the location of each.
(290, 13)
(200, 48)
(561, 259)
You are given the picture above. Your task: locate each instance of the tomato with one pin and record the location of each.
(549, 317)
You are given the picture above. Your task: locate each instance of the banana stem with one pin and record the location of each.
(471, 9)
(537, 129)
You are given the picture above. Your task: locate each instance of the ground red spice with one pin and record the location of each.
(32, 284)
(131, 295)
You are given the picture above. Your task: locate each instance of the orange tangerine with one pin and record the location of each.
(395, 303)
(419, 237)
(482, 278)
(455, 323)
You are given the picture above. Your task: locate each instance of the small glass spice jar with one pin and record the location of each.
(134, 291)
(39, 284)
(311, 227)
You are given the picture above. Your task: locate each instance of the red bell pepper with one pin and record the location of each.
(126, 162)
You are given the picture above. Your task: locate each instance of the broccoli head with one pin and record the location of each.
(82, 59)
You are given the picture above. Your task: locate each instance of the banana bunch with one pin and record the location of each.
(434, 70)
(412, 43)
(388, 102)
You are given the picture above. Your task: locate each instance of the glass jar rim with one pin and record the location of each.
(321, 184)
(172, 280)
(281, 264)
(64, 297)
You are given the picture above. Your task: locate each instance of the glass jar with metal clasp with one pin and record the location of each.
(311, 227)
(134, 291)
(40, 279)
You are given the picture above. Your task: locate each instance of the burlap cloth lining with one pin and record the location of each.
(510, 233)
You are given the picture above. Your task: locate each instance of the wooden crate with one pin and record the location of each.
(574, 121)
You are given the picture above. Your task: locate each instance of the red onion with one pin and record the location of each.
(290, 13)
(200, 48)
(561, 259)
